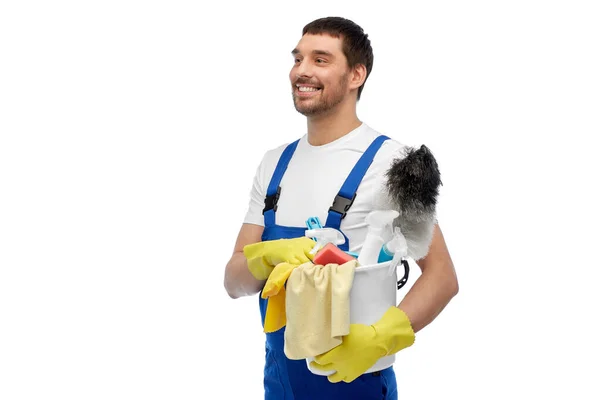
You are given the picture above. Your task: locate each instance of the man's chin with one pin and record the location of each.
(306, 109)
(308, 112)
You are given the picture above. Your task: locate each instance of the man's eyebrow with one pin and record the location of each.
(319, 52)
(323, 53)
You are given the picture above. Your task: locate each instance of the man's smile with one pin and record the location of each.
(306, 90)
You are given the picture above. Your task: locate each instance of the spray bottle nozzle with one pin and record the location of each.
(378, 220)
(324, 236)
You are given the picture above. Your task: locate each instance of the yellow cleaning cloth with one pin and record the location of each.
(275, 314)
(317, 308)
(274, 290)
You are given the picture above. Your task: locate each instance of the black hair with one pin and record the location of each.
(355, 42)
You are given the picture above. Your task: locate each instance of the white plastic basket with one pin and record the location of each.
(373, 292)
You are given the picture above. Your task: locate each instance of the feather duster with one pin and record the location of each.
(412, 183)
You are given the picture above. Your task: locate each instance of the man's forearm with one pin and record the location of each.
(239, 281)
(428, 296)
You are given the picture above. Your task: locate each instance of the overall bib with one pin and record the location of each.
(286, 379)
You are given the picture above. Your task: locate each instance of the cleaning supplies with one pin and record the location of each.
(317, 308)
(331, 254)
(396, 246)
(324, 236)
(326, 250)
(313, 223)
(377, 221)
(373, 291)
(412, 187)
(274, 290)
(396, 250)
(264, 256)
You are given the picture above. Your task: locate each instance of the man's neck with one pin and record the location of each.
(327, 128)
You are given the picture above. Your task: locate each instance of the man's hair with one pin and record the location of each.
(355, 42)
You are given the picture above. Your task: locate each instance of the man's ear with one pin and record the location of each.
(358, 75)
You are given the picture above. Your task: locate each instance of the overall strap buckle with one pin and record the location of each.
(271, 201)
(341, 205)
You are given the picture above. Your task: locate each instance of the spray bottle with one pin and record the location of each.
(395, 250)
(324, 236)
(394, 247)
(378, 221)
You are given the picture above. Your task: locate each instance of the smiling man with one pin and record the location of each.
(325, 52)
(337, 172)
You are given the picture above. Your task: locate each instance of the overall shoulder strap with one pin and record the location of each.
(274, 189)
(347, 193)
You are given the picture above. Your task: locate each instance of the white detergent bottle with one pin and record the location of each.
(377, 221)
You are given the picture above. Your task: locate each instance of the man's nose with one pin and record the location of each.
(303, 70)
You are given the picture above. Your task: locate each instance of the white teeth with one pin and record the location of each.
(307, 89)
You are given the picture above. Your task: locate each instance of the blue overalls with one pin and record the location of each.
(286, 379)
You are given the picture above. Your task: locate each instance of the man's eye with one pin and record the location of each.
(296, 60)
(321, 61)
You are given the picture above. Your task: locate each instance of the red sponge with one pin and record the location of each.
(331, 254)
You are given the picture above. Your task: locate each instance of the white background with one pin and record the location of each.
(130, 133)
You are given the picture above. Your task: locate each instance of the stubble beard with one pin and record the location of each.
(321, 106)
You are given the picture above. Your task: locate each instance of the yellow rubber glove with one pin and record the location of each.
(274, 290)
(276, 281)
(264, 256)
(365, 344)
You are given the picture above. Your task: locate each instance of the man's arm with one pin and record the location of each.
(238, 279)
(436, 286)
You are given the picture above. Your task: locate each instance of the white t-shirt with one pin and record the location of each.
(314, 177)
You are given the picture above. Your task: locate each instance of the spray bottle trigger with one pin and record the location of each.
(324, 236)
(313, 223)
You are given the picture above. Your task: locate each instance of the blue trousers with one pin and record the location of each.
(287, 379)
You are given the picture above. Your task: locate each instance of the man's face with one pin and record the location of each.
(320, 74)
